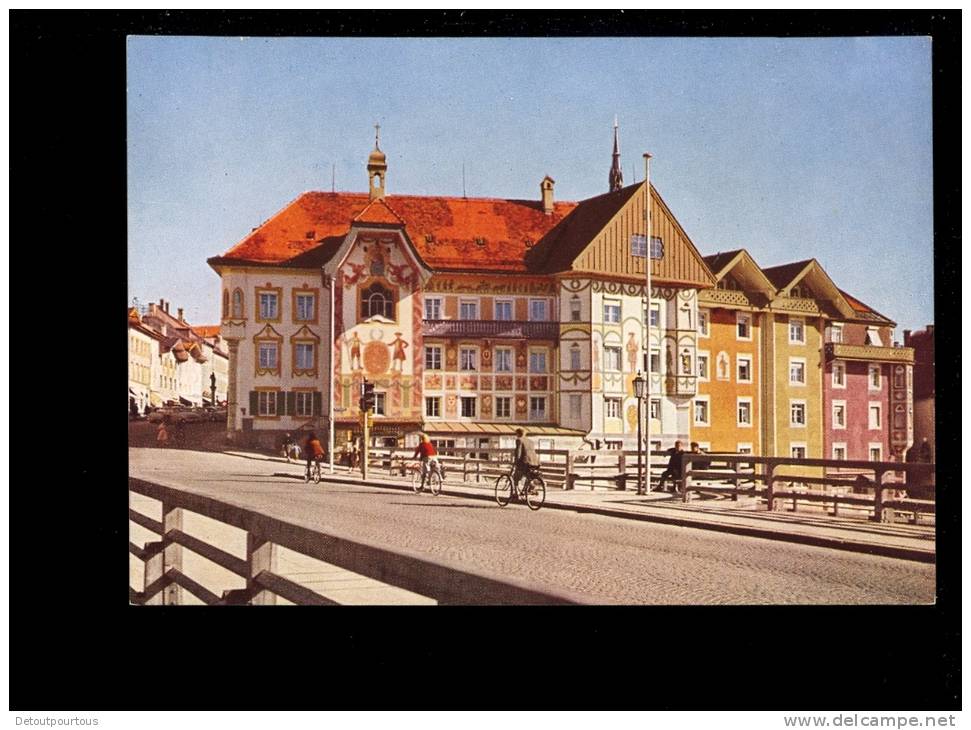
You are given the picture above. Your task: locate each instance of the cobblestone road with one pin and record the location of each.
(605, 558)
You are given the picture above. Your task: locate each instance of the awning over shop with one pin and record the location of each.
(185, 401)
(498, 429)
(156, 400)
(131, 392)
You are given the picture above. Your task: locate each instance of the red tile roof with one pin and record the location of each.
(449, 233)
(206, 330)
(859, 306)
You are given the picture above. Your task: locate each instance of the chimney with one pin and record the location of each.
(906, 336)
(180, 315)
(167, 307)
(546, 191)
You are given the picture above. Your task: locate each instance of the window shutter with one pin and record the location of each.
(317, 408)
(292, 403)
(254, 403)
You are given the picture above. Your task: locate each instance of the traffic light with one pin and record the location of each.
(367, 396)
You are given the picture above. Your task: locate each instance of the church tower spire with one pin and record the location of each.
(377, 167)
(616, 175)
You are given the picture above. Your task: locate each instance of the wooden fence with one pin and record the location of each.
(165, 581)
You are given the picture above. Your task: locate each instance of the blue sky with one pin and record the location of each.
(791, 148)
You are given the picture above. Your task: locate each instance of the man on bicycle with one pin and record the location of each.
(427, 454)
(526, 461)
(313, 449)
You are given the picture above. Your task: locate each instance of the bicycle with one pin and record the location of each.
(313, 472)
(433, 478)
(533, 489)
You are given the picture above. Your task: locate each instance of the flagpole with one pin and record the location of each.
(647, 345)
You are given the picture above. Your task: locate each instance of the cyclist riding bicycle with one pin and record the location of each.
(313, 449)
(526, 462)
(427, 454)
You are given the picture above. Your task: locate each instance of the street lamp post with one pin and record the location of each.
(639, 389)
(212, 387)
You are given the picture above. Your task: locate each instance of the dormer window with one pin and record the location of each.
(377, 300)
(479, 241)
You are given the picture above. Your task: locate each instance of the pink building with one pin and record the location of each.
(867, 389)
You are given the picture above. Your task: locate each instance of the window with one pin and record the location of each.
(611, 311)
(744, 412)
(266, 403)
(876, 452)
(537, 408)
(655, 408)
(225, 303)
(503, 406)
(797, 331)
(797, 371)
(377, 301)
(836, 333)
(237, 304)
(433, 308)
(874, 415)
(873, 337)
(702, 365)
(468, 406)
(638, 245)
(701, 411)
(574, 357)
(305, 309)
(575, 308)
(744, 448)
(797, 451)
(269, 305)
(468, 310)
(612, 407)
(269, 356)
(304, 402)
(612, 358)
(655, 315)
(503, 362)
(467, 358)
(304, 356)
(537, 310)
(839, 375)
(839, 414)
(380, 399)
(655, 361)
(797, 413)
(743, 326)
(576, 406)
(839, 452)
(537, 361)
(703, 323)
(744, 371)
(433, 407)
(873, 376)
(504, 310)
(433, 357)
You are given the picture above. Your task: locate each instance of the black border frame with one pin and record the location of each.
(76, 644)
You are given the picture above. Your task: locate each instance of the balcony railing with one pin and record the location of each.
(842, 351)
(680, 384)
(500, 329)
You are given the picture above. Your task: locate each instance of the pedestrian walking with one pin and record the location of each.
(162, 437)
(287, 446)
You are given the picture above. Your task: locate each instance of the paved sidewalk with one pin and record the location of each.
(743, 517)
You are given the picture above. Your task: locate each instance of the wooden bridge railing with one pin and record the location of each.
(165, 581)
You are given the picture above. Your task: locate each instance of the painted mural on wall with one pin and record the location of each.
(379, 316)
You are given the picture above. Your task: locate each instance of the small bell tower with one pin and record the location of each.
(377, 168)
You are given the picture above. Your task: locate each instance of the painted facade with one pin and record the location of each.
(473, 316)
